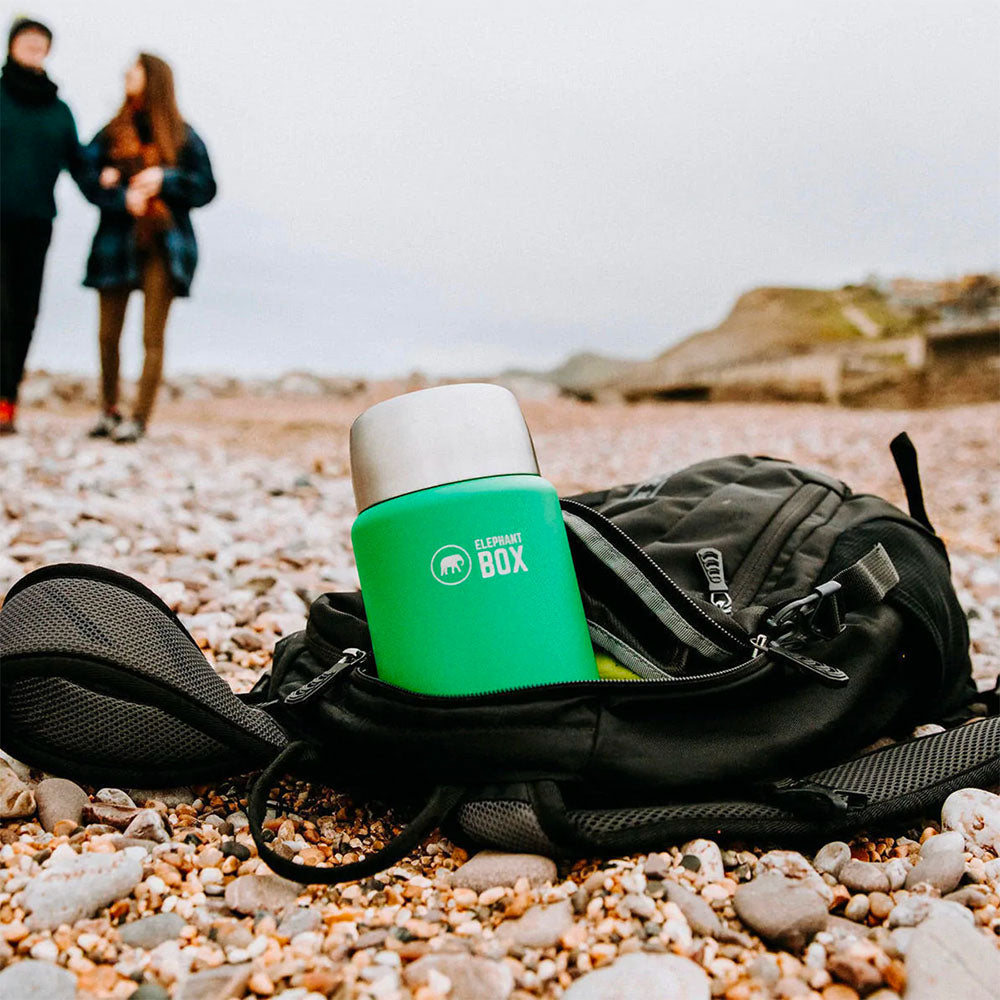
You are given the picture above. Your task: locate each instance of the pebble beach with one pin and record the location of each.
(237, 512)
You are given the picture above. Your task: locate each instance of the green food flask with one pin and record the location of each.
(464, 563)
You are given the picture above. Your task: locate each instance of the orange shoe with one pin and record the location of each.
(7, 412)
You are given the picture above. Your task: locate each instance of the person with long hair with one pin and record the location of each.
(152, 169)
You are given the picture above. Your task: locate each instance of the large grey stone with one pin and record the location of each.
(58, 799)
(780, 910)
(33, 980)
(252, 893)
(540, 927)
(916, 909)
(471, 977)
(643, 976)
(700, 916)
(950, 958)
(494, 868)
(78, 888)
(150, 931)
(863, 876)
(222, 983)
(943, 870)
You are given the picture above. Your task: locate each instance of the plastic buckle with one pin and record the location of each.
(814, 799)
(817, 614)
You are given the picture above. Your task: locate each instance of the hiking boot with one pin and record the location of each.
(128, 431)
(7, 411)
(109, 420)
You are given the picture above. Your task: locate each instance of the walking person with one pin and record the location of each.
(37, 140)
(152, 169)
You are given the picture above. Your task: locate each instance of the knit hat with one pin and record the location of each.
(26, 24)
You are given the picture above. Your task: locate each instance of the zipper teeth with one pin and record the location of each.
(742, 642)
(761, 662)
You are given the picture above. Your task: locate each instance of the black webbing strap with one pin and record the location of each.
(868, 580)
(904, 454)
(442, 801)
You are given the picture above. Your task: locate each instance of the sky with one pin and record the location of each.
(463, 187)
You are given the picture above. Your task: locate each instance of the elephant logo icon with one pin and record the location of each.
(451, 565)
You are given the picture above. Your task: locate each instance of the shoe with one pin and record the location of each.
(128, 431)
(107, 423)
(7, 411)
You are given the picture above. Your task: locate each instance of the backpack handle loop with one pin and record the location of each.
(442, 801)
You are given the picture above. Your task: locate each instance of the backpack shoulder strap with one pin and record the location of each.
(904, 454)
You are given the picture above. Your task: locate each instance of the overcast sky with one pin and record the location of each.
(458, 187)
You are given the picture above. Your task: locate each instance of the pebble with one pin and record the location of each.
(972, 896)
(710, 857)
(943, 871)
(880, 904)
(115, 797)
(781, 910)
(494, 868)
(863, 876)
(300, 920)
(33, 980)
(952, 842)
(975, 813)
(832, 857)
(153, 930)
(700, 916)
(16, 798)
(59, 799)
(539, 927)
(645, 976)
(150, 991)
(949, 958)
(896, 870)
(857, 908)
(250, 894)
(215, 984)
(148, 825)
(916, 909)
(78, 887)
(470, 977)
(793, 865)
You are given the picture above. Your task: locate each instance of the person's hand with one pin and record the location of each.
(148, 181)
(110, 177)
(135, 202)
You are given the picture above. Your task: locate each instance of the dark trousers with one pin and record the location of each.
(23, 245)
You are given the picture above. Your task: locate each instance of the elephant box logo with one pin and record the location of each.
(451, 565)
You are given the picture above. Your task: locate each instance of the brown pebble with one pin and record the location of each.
(838, 991)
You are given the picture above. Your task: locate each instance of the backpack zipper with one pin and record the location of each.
(714, 569)
(710, 625)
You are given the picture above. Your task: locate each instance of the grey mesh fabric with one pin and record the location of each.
(899, 780)
(99, 677)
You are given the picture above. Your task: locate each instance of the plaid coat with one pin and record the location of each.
(114, 259)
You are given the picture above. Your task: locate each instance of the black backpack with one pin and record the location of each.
(777, 625)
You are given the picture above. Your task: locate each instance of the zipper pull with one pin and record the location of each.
(321, 682)
(718, 589)
(826, 675)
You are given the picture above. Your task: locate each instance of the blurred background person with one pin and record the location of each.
(37, 140)
(152, 168)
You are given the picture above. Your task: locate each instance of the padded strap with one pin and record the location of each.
(904, 454)
(442, 801)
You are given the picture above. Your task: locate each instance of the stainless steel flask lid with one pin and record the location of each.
(436, 436)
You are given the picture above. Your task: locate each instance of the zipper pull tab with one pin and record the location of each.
(321, 682)
(718, 589)
(826, 675)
